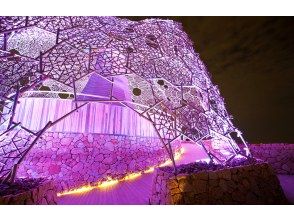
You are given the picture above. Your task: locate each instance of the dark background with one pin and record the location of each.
(251, 59)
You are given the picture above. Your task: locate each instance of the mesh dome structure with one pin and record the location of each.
(149, 67)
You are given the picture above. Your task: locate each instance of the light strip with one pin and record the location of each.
(111, 182)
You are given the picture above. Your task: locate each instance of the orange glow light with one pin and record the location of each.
(150, 170)
(111, 182)
(166, 163)
(132, 176)
(80, 190)
(107, 183)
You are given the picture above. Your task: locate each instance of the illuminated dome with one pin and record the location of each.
(112, 76)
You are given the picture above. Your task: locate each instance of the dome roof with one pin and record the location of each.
(148, 66)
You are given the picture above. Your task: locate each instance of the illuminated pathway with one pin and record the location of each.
(136, 191)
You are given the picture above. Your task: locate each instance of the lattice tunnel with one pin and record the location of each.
(148, 66)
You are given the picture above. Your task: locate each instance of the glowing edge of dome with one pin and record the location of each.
(111, 182)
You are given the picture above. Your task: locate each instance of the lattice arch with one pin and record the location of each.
(169, 84)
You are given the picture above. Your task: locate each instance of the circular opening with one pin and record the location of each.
(14, 52)
(63, 95)
(129, 50)
(137, 91)
(44, 88)
(160, 82)
(13, 57)
(23, 81)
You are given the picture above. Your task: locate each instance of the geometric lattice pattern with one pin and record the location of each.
(54, 57)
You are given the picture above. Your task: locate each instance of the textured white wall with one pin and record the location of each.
(95, 117)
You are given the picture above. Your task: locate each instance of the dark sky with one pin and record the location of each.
(251, 59)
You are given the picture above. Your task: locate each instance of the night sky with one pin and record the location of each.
(251, 59)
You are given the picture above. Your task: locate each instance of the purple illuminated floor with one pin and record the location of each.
(137, 191)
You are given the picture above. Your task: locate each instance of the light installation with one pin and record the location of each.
(111, 182)
(55, 68)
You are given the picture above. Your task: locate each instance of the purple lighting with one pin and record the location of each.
(98, 89)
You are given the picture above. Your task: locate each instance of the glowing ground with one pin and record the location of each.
(137, 191)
